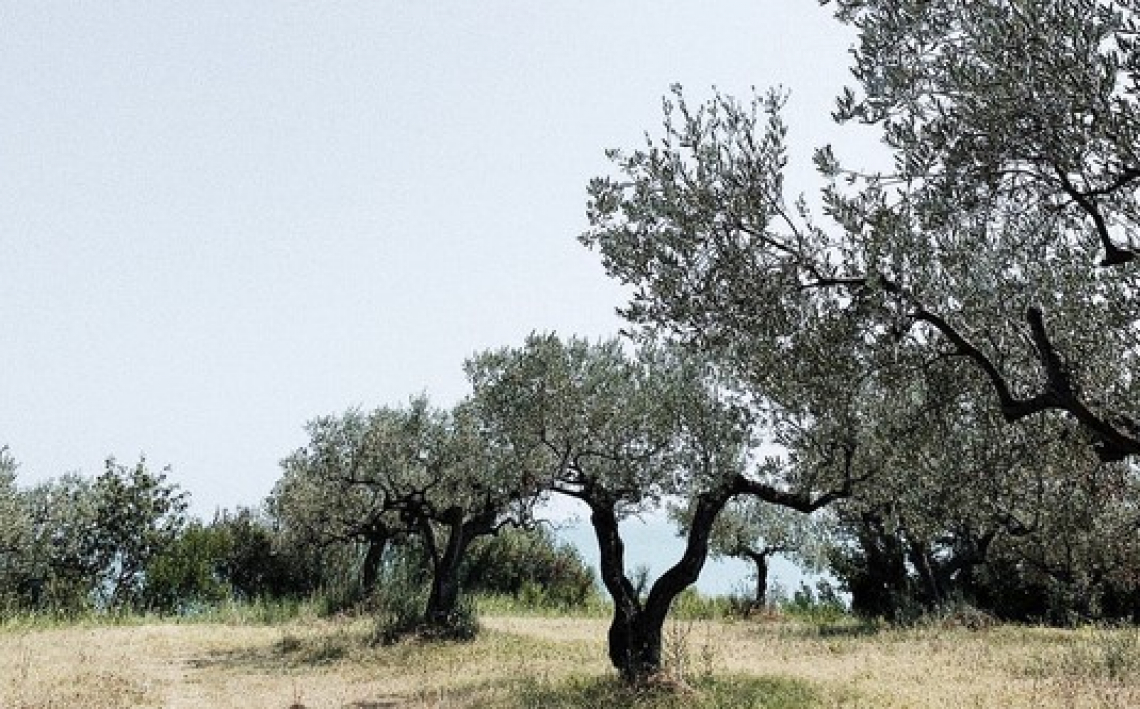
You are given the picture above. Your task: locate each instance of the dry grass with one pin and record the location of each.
(549, 661)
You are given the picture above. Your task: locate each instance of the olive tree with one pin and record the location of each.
(411, 470)
(15, 532)
(62, 571)
(320, 510)
(622, 433)
(1013, 128)
(90, 542)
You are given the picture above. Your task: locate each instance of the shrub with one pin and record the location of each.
(530, 565)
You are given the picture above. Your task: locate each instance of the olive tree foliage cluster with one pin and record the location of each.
(1022, 521)
(396, 474)
(1004, 236)
(122, 541)
(76, 543)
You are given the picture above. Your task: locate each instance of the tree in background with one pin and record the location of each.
(531, 565)
(88, 544)
(419, 471)
(188, 574)
(62, 573)
(15, 533)
(139, 516)
(755, 531)
(264, 560)
(336, 515)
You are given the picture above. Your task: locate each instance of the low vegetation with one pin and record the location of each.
(778, 660)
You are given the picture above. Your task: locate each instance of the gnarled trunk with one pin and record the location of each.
(443, 599)
(635, 634)
(635, 643)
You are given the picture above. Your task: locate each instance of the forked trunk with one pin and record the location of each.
(443, 600)
(636, 631)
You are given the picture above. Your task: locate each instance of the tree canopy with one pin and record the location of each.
(1013, 132)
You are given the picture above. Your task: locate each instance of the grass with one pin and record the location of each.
(256, 612)
(549, 660)
(735, 692)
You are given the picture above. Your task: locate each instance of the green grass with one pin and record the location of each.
(256, 612)
(500, 604)
(724, 692)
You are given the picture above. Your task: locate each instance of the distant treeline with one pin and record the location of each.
(123, 542)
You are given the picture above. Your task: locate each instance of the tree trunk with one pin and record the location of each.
(935, 594)
(370, 567)
(444, 596)
(760, 559)
(625, 636)
(443, 601)
(635, 644)
(636, 631)
(878, 582)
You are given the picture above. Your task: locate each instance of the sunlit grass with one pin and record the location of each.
(735, 692)
(768, 660)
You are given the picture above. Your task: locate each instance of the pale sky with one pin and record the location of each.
(219, 220)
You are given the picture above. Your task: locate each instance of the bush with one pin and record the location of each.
(530, 565)
(187, 573)
(821, 604)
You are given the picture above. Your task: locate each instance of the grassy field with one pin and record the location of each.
(534, 661)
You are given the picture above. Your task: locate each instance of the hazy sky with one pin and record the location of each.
(221, 219)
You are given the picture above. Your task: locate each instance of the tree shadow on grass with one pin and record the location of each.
(291, 651)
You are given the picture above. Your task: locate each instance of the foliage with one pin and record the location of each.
(262, 562)
(188, 573)
(139, 516)
(531, 565)
(1013, 127)
(15, 532)
(401, 472)
(77, 544)
(61, 573)
(621, 433)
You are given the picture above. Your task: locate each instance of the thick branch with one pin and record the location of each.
(1011, 407)
(1114, 445)
(686, 571)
